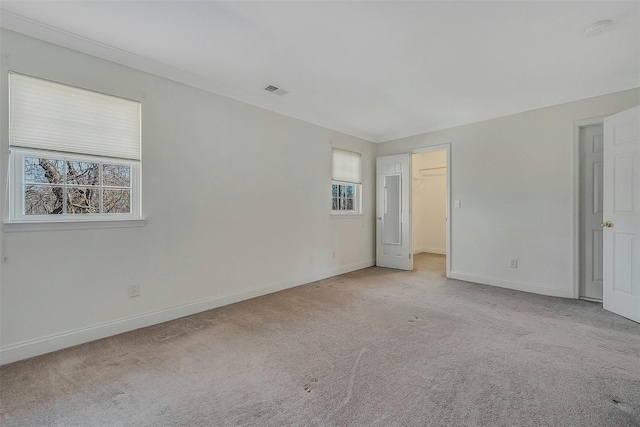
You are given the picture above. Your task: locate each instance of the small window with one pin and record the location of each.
(75, 154)
(346, 187)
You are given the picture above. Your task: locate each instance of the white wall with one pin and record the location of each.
(514, 177)
(237, 201)
(429, 202)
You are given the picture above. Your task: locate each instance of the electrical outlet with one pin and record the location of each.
(456, 203)
(514, 263)
(134, 290)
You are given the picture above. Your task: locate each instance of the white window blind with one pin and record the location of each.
(52, 116)
(347, 166)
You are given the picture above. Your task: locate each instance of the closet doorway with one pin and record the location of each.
(429, 201)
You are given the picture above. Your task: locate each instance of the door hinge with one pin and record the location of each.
(409, 256)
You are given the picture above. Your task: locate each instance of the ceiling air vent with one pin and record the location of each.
(276, 90)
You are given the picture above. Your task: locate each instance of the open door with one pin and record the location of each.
(621, 214)
(393, 230)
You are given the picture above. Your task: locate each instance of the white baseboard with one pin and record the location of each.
(534, 288)
(27, 349)
(430, 251)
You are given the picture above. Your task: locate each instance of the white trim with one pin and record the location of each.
(448, 248)
(430, 251)
(39, 346)
(598, 300)
(346, 214)
(534, 288)
(11, 227)
(575, 229)
(20, 24)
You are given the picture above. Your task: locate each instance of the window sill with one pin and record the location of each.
(346, 215)
(72, 225)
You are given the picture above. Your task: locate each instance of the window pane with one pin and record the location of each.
(83, 200)
(116, 176)
(43, 170)
(349, 190)
(334, 204)
(42, 200)
(334, 190)
(116, 201)
(349, 204)
(82, 173)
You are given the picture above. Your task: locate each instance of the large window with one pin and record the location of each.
(346, 187)
(75, 154)
(56, 184)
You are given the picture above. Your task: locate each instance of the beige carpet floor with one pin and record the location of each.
(376, 347)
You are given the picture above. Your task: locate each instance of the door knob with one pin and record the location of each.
(607, 224)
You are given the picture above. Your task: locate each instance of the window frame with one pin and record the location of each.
(357, 199)
(18, 220)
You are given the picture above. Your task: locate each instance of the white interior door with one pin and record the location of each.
(393, 230)
(621, 226)
(591, 158)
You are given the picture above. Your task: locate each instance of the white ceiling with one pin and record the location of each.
(376, 70)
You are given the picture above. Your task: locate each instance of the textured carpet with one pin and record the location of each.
(376, 347)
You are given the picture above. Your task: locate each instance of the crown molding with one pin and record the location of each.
(29, 27)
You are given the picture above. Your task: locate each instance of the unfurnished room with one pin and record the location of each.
(319, 213)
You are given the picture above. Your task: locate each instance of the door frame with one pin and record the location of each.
(576, 199)
(440, 147)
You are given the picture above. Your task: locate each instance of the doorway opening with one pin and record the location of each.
(394, 201)
(430, 204)
(590, 211)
